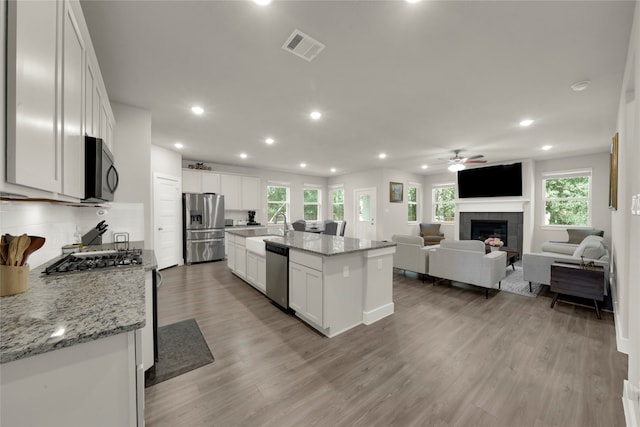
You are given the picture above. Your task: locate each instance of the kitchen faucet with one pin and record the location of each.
(286, 227)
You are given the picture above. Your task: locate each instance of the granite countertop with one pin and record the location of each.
(256, 232)
(62, 310)
(321, 244)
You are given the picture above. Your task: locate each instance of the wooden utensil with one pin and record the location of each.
(11, 254)
(36, 243)
(23, 243)
(4, 248)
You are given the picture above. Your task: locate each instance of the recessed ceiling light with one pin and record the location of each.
(178, 145)
(412, 1)
(525, 123)
(269, 141)
(315, 115)
(262, 2)
(546, 147)
(580, 86)
(197, 110)
(456, 167)
(333, 169)
(382, 156)
(424, 166)
(303, 165)
(243, 155)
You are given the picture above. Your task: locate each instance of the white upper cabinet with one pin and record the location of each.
(250, 193)
(231, 188)
(72, 106)
(191, 181)
(33, 145)
(210, 182)
(55, 95)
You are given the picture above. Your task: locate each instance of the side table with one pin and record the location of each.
(571, 279)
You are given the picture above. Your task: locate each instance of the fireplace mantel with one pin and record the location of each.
(491, 205)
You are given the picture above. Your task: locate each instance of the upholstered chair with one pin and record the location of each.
(330, 228)
(431, 234)
(299, 225)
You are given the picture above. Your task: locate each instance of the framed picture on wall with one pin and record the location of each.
(395, 192)
(613, 174)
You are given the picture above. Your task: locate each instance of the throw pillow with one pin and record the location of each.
(592, 247)
(429, 229)
(577, 235)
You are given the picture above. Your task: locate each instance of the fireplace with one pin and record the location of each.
(482, 229)
(506, 225)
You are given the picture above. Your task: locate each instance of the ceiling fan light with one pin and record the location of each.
(456, 167)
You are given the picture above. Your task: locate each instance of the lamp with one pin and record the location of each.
(456, 167)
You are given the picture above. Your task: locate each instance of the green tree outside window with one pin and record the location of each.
(311, 197)
(277, 202)
(567, 200)
(337, 204)
(444, 207)
(412, 203)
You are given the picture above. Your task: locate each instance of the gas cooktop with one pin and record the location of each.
(83, 261)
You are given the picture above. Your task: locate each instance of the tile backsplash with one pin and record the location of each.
(57, 223)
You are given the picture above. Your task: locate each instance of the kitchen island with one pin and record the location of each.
(71, 348)
(335, 283)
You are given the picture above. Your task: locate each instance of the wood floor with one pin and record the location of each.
(447, 357)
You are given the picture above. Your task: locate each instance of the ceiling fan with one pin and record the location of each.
(457, 163)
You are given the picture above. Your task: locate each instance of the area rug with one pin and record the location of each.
(515, 284)
(181, 348)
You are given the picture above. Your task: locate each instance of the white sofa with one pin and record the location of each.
(536, 267)
(411, 254)
(466, 261)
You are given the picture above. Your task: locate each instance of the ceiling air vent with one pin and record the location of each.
(303, 45)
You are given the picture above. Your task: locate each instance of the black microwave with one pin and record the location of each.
(100, 175)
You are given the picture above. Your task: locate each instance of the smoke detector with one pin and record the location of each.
(303, 45)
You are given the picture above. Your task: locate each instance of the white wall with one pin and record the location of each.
(394, 218)
(166, 161)
(625, 229)
(293, 181)
(600, 215)
(132, 153)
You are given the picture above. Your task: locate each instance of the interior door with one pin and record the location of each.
(167, 205)
(365, 209)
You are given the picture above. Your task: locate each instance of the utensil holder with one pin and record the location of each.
(13, 280)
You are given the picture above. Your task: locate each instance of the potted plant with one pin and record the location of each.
(494, 243)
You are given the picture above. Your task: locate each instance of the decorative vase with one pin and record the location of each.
(494, 248)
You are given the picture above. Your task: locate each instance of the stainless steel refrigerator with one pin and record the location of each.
(203, 219)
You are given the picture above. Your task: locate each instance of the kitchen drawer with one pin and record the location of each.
(303, 258)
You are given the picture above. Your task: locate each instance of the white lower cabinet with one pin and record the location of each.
(256, 271)
(97, 383)
(305, 292)
(230, 248)
(240, 262)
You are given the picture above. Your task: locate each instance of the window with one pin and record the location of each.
(414, 196)
(277, 201)
(567, 198)
(312, 204)
(337, 204)
(444, 206)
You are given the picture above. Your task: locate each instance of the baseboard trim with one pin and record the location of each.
(369, 317)
(630, 404)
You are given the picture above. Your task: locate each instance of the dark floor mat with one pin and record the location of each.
(181, 348)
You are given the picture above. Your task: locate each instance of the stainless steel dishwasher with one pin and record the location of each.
(277, 274)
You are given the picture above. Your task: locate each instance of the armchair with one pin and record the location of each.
(430, 233)
(466, 261)
(411, 254)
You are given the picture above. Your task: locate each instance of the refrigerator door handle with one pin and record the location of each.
(205, 240)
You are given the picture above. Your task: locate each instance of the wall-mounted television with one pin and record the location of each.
(491, 181)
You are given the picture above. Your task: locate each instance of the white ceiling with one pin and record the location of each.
(412, 80)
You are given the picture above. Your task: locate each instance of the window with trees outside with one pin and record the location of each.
(443, 202)
(277, 201)
(337, 204)
(567, 198)
(413, 201)
(311, 200)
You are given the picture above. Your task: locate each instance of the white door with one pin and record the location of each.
(365, 209)
(167, 220)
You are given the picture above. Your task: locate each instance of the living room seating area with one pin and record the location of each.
(431, 234)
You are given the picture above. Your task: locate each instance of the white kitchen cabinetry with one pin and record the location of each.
(97, 383)
(191, 181)
(55, 94)
(256, 271)
(230, 248)
(33, 145)
(211, 183)
(231, 188)
(73, 68)
(250, 193)
(240, 262)
(305, 292)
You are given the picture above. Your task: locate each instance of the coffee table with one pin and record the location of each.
(512, 257)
